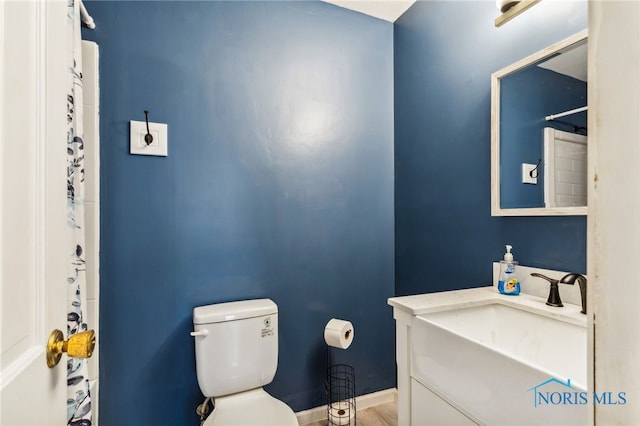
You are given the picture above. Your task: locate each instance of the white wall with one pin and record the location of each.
(614, 204)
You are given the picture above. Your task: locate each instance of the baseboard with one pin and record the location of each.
(362, 402)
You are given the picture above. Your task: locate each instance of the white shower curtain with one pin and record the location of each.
(79, 399)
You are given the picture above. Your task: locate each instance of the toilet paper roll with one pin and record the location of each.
(342, 413)
(338, 333)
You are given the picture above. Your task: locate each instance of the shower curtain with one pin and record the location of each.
(78, 397)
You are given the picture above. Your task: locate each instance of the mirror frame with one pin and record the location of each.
(496, 210)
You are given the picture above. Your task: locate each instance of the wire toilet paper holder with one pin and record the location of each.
(340, 387)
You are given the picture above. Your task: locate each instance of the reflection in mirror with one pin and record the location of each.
(565, 168)
(539, 132)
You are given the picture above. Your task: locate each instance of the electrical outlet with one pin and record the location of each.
(527, 171)
(137, 143)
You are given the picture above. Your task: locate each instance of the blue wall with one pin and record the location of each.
(280, 180)
(526, 97)
(278, 183)
(444, 54)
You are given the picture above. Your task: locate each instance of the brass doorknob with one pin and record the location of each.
(79, 345)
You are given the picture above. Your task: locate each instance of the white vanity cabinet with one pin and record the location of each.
(417, 405)
(429, 409)
(474, 356)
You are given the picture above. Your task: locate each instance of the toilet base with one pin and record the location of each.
(251, 408)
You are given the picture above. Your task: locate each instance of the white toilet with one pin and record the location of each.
(237, 354)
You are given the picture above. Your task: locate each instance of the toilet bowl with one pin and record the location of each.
(251, 408)
(236, 355)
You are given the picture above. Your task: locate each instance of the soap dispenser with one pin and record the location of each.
(508, 282)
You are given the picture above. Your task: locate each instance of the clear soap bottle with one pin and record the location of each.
(508, 282)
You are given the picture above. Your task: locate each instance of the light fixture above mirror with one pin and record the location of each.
(509, 9)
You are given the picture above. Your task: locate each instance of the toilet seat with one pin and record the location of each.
(251, 408)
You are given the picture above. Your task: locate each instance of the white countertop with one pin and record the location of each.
(458, 299)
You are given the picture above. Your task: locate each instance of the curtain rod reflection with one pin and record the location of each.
(562, 114)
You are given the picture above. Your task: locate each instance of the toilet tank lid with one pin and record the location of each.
(231, 311)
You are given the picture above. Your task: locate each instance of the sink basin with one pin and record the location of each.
(532, 338)
(485, 360)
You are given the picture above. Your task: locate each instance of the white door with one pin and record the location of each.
(33, 236)
(565, 169)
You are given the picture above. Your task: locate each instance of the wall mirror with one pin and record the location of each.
(539, 133)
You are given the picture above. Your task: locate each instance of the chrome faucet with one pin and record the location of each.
(582, 283)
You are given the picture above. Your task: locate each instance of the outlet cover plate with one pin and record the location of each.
(137, 144)
(526, 174)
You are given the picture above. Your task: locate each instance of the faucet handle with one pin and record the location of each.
(554, 294)
(544, 277)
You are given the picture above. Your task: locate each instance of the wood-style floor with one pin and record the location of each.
(380, 415)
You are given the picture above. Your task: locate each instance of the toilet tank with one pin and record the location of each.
(236, 345)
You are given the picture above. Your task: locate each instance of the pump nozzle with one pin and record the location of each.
(508, 256)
